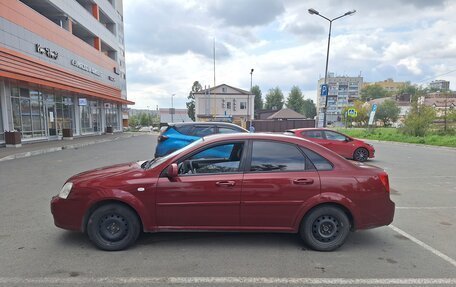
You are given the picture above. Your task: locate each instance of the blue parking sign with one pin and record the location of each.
(324, 90)
(374, 107)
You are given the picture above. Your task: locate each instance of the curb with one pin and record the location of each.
(65, 147)
(411, 144)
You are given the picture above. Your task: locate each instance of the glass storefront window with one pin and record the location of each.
(28, 112)
(90, 116)
(112, 115)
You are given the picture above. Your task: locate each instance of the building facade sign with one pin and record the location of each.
(46, 51)
(85, 67)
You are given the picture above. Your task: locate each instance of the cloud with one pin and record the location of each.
(246, 13)
(169, 44)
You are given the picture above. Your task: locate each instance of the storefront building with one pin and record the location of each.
(62, 68)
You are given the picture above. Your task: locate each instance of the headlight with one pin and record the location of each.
(65, 191)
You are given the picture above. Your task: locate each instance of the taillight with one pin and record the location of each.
(162, 138)
(384, 179)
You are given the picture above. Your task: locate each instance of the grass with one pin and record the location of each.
(393, 134)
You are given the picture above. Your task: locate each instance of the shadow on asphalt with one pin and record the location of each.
(360, 240)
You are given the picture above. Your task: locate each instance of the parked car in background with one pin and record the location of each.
(175, 136)
(263, 182)
(340, 143)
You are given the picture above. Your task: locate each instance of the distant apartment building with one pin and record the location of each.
(440, 85)
(62, 67)
(389, 85)
(224, 103)
(342, 91)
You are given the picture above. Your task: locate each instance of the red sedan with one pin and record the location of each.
(344, 145)
(257, 182)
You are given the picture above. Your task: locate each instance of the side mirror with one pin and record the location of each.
(347, 139)
(172, 170)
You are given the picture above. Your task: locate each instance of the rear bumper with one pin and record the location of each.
(380, 215)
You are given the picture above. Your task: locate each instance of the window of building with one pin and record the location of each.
(112, 115)
(228, 105)
(276, 157)
(90, 116)
(243, 105)
(28, 112)
(2, 135)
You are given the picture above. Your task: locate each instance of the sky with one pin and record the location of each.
(169, 44)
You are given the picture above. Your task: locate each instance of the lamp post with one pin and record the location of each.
(315, 12)
(172, 108)
(248, 97)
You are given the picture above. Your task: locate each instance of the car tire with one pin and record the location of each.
(361, 154)
(325, 228)
(113, 227)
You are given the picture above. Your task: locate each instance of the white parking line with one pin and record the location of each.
(424, 245)
(230, 280)
(425, 207)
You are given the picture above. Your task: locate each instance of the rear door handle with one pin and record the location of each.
(303, 181)
(225, 183)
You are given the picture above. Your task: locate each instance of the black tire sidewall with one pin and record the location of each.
(130, 217)
(306, 228)
(355, 154)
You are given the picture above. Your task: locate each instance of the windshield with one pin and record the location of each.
(156, 161)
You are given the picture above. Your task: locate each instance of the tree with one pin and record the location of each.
(418, 120)
(373, 92)
(274, 99)
(414, 90)
(387, 112)
(258, 100)
(196, 87)
(309, 109)
(295, 100)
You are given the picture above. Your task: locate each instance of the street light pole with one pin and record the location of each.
(315, 12)
(172, 108)
(248, 97)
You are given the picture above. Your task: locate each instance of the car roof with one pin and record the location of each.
(311, 129)
(330, 155)
(206, 124)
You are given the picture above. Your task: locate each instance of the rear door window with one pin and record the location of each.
(202, 131)
(224, 130)
(334, 136)
(268, 156)
(313, 134)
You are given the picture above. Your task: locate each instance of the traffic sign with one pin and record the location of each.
(374, 107)
(324, 90)
(352, 112)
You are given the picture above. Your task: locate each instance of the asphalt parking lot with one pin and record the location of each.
(417, 249)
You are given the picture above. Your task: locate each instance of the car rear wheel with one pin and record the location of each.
(361, 154)
(113, 227)
(325, 228)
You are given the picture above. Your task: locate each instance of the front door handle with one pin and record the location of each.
(225, 183)
(303, 181)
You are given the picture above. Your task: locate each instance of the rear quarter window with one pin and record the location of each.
(318, 161)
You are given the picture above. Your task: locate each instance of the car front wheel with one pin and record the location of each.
(361, 154)
(113, 227)
(325, 228)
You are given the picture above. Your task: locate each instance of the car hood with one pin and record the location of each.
(123, 171)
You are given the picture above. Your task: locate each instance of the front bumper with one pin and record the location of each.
(68, 214)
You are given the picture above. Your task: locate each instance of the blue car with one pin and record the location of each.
(177, 135)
